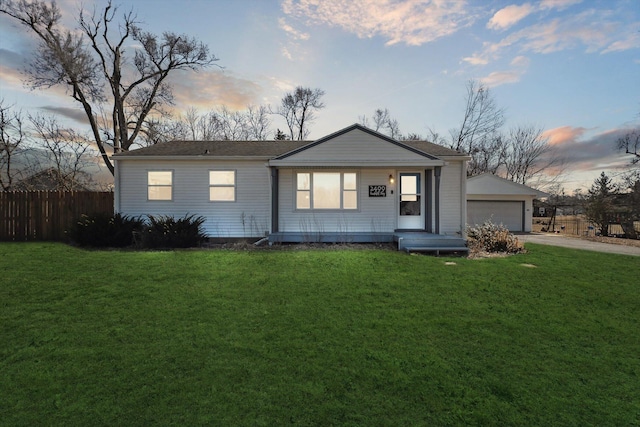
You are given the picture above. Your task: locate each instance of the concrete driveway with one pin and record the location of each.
(575, 243)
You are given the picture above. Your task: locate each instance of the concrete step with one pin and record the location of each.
(423, 242)
(436, 249)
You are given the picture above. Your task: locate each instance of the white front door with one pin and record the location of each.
(410, 201)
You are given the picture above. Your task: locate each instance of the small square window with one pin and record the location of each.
(222, 186)
(159, 185)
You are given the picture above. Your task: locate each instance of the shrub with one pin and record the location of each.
(103, 230)
(168, 232)
(490, 237)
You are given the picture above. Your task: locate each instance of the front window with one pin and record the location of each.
(222, 186)
(160, 185)
(326, 190)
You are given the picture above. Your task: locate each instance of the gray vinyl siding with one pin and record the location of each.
(355, 146)
(374, 214)
(248, 216)
(450, 198)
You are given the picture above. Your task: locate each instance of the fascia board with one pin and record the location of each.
(351, 163)
(172, 158)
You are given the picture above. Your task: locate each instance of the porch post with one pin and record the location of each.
(438, 172)
(274, 199)
(428, 186)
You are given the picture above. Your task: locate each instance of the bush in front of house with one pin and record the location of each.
(105, 231)
(168, 232)
(490, 237)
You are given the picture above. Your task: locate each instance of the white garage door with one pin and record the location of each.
(509, 214)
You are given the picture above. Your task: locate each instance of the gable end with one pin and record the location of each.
(363, 129)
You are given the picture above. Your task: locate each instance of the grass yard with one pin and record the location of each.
(335, 337)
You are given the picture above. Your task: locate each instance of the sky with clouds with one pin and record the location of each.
(569, 66)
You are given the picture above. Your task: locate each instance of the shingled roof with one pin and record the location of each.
(259, 149)
(255, 149)
(433, 149)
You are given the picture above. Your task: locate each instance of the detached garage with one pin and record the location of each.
(505, 202)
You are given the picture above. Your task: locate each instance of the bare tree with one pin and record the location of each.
(233, 125)
(488, 155)
(394, 129)
(192, 121)
(412, 137)
(222, 124)
(383, 123)
(630, 202)
(528, 154)
(93, 65)
(482, 119)
(12, 142)
(380, 119)
(258, 122)
(434, 137)
(298, 109)
(67, 154)
(630, 143)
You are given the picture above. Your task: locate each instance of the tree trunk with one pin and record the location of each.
(628, 228)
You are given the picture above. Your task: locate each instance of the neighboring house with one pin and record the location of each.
(501, 201)
(353, 185)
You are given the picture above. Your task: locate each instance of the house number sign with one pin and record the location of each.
(377, 191)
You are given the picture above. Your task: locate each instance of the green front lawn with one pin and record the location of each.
(336, 337)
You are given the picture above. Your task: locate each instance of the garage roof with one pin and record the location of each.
(489, 184)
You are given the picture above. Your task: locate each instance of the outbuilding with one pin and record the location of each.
(495, 199)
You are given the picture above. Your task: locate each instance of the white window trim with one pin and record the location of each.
(160, 186)
(310, 191)
(235, 185)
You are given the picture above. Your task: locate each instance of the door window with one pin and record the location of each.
(410, 194)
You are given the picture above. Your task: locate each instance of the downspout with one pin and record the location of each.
(274, 199)
(437, 173)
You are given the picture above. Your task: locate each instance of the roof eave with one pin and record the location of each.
(357, 163)
(456, 157)
(191, 157)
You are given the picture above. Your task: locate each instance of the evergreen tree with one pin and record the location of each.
(599, 206)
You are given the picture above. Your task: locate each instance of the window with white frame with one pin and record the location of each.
(222, 186)
(159, 185)
(326, 190)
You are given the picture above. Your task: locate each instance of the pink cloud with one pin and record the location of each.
(582, 153)
(563, 134)
(520, 65)
(558, 4)
(498, 78)
(413, 22)
(295, 34)
(594, 30)
(212, 88)
(508, 16)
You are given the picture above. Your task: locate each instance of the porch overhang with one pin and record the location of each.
(426, 163)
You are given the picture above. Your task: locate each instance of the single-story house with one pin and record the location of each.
(490, 197)
(354, 185)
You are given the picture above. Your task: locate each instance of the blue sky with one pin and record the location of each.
(569, 66)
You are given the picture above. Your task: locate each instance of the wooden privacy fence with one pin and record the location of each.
(47, 215)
